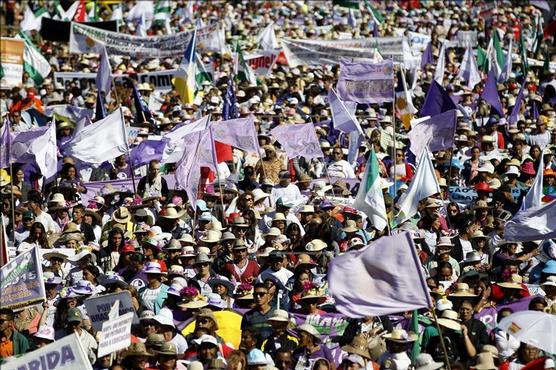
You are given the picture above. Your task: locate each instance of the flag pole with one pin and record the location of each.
(394, 129)
(13, 200)
(128, 153)
(442, 344)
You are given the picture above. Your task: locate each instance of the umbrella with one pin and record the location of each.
(532, 327)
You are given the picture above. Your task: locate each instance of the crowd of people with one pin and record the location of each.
(252, 253)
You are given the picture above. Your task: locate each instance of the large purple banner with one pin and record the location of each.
(488, 315)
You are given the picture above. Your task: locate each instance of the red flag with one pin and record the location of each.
(223, 152)
(81, 13)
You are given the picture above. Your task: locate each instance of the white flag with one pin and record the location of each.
(381, 279)
(174, 149)
(101, 141)
(104, 73)
(469, 70)
(535, 194)
(267, 38)
(32, 21)
(423, 185)
(507, 70)
(343, 119)
(537, 223)
(440, 65)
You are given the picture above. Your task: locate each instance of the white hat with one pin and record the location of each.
(486, 167)
(424, 361)
(315, 245)
(205, 338)
(512, 171)
(165, 317)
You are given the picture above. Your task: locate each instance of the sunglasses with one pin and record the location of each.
(247, 199)
(206, 264)
(203, 320)
(260, 294)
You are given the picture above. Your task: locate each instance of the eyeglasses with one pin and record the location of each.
(206, 264)
(260, 294)
(248, 199)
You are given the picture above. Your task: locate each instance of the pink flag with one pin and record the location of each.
(240, 133)
(381, 279)
(298, 140)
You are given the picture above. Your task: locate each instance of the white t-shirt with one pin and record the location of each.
(49, 225)
(148, 297)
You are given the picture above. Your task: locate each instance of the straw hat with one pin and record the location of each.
(171, 213)
(401, 336)
(450, 320)
(258, 194)
(424, 361)
(273, 231)
(137, 349)
(313, 293)
(350, 227)
(280, 316)
(462, 290)
(485, 361)
(121, 215)
(514, 284)
(212, 236)
(358, 346)
(315, 245)
(310, 329)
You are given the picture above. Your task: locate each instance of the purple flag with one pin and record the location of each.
(298, 140)
(5, 145)
(38, 145)
(534, 111)
(490, 93)
(366, 83)
(512, 119)
(240, 133)
(438, 131)
(363, 282)
(147, 151)
(427, 57)
(437, 101)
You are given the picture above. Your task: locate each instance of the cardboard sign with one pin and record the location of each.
(115, 335)
(462, 195)
(99, 307)
(21, 282)
(11, 61)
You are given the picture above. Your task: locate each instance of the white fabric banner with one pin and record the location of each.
(536, 223)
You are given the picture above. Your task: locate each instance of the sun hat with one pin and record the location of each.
(202, 258)
(173, 245)
(167, 349)
(45, 332)
(315, 245)
(171, 213)
(512, 171)
(74, 315)
(146, 315)
(528, 168)
(216, 225)
(50, 279)
(82, 254)
(256, 357)
(481, 204)
(491, 349)
(462, 290)
(550, 281)
(227, 236)
(278, 216)
(221, 281)
(280, 316)
(211, 236)
(136, 349)
(187, 252)
(244, 292)
(358, 346)
(350, 227)
(176, 270)
(424, 361)
(486, 167)
(444, 304)
(450, 320)
(478, 234)
(515, 283)
(445, 241)
(206, 339)
(310, 329)
(471, 258)
(163, 318)
(483, 186)
(49, 255)
(121, 215)
(485, 361)
(313, 293)
(258, 195)
(356, 359)
(155, 341)
(273, 231)
(307, 208)
(153, 268)
(145, 212)
(203, 250)
(187, 239)
(400, 336)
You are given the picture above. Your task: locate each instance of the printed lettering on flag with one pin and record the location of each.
(366, 82)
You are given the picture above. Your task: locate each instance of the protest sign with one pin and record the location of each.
(488, 315)
(99, 307)
(11, 62)
(21, 281)
(462, 194)
(317, 52)
(66, 353)
(467, 38)
(328, 324)
(261, 62)
(86, 39)
(366, 83)
(418, 41)
(161, 80)
(84, 80)
(115, 334)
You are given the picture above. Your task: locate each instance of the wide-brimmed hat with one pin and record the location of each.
(315, 245)
(273, 231)
(227, 236)
(194, 302)
(121, 215)
(478, 234)
(167, 349)
(82, 254)
(515, 283)
(463, 291)
(216, 225)
(280, 316)
(400, 336)
(50, 279)
(550, 281)
(256, 357)
(445, 241)
(258, 195)
(310, 329)
(202, 258)
(211, 236)
(450, 320)
(244, 292)
(424, 361)
(307, 208)
(350, 227)
(153, 268)
(49, 255)
(313, 293)
(171, 213)
(485, 361)
(186, 239)
(481, 204)
(221, 281)
(136, 349)
(359, 346)
(173, 245)
(82, 287)
(145, 212)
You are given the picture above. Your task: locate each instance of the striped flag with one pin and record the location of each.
(184, 82)
(377, 17)
(162, 12)
(370, 199)
(404, 103)
(244, 70)
(33, 62)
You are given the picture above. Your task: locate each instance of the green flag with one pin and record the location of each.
(500, 57)
(33, 62)
(162, 12)
(482, 59)
(353, 4)
(2, 74)
(523, 55)
(244, 70)
(377, 17)
(416, 349)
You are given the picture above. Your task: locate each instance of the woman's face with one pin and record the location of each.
(445, 274)
(88, 219)
(303, 278)
(87, 275)
(220, 289)
(36, 232)
(72, 244)
(20, 176)
(530, 353)
(116, 239)
(476, 153)
(72, 302)
(535, 152)
(71, 172)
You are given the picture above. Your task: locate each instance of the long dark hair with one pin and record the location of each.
(43, 239)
